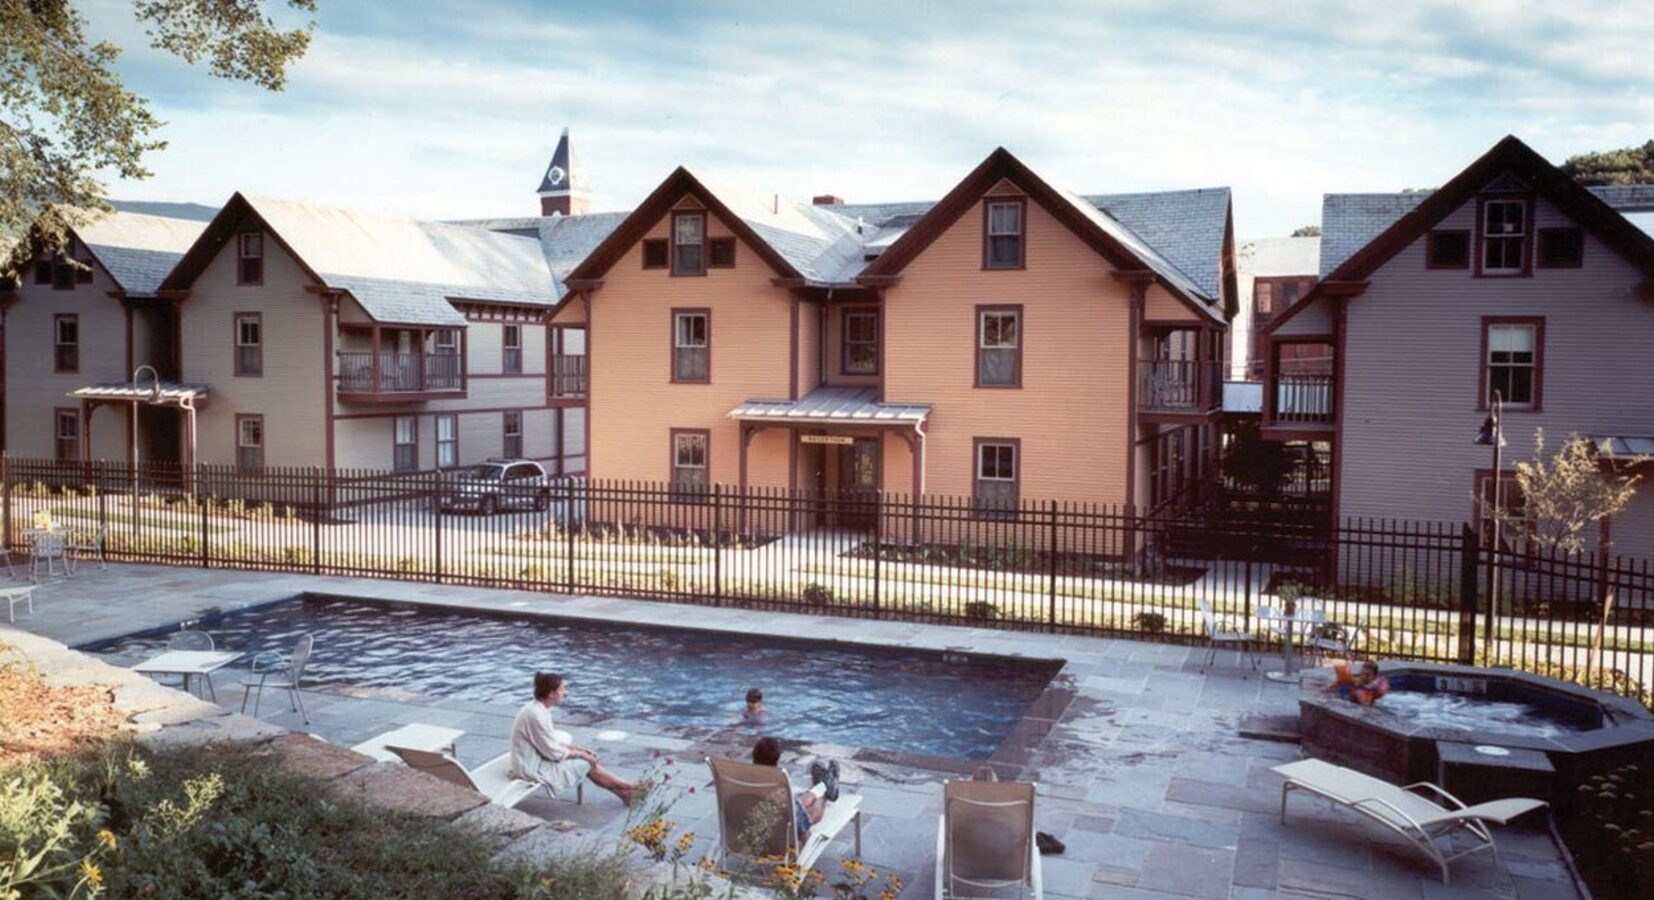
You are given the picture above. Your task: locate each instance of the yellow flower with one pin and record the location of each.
(107, 838)
(90, 873)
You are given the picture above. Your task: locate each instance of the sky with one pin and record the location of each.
(440, 109)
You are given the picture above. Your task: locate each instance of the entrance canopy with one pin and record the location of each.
(164, 393)
(833, 406)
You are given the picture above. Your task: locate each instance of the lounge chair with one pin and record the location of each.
(14, 595)
(1421, 820)
(291, 670)
(985, 841)
(742, 786)
(491, 779)
(1220, 632)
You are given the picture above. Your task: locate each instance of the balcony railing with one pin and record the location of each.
(1178, 385)
(400, 372)
(568, 376)
(1303, 399)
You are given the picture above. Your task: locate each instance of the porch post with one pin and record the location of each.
(86, 407)
(419, 359)
(746, 438)
(376, 359)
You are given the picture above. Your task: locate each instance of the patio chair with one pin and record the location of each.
(742, 786)
(290, 669)
(47, 547)
(88, 543)
(491, 779)
(186, 639)
(1425, 823)
(1336, 638)
(17, 594)
(985, 841)
(1220, 632)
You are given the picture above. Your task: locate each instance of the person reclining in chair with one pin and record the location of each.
(809, 805)
(538, 755)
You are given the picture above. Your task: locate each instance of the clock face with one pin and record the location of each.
(557, 174)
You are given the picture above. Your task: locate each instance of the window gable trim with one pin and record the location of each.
(1483, 201)
(1483, 395)
(990, 234)
(674, 347)
(981, 313)
(1432, 258)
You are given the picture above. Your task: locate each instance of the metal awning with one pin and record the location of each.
(1626, 447)
(171, 393)
(833, 406)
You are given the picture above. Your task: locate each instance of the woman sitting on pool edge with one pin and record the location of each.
(1364, 687)
(538, 754)
(810, 805)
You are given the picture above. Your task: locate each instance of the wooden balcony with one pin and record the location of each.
(1297, 399)
(568, 378)
(1179, 386)
(384, 377)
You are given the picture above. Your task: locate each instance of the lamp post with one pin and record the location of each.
(1493, 436)
(154, 397)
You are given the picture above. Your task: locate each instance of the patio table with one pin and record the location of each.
(1306, 616)
(430, 738)
(200, 663)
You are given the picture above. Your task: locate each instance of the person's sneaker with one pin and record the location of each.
(826, 774)
(1048, 844)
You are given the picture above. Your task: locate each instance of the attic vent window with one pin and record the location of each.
(721, 253)
(1448, 250)
(1004, 249)
(654, 253)
(1561, 248)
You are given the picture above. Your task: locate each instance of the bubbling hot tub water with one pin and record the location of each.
(1457, 712)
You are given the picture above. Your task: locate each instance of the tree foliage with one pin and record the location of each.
(1307, 231)
(66, 118)
(1254, 463)
(1564, 495)
(1627, 165)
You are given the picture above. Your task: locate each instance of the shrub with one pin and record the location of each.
(981, 609)
(816, 594)
(668, 580)
(1152, 622)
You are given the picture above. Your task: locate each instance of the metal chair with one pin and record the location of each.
(89, 543)
(291, 670)
(47, 547)
(1336, 638)
(187, 639)
(1221, 633)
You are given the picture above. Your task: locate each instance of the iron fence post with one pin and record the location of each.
(568, 529)
(316, 477)
(1469, 553)
(206, 552)
(435, 498)
(5, 498)
(717, 549)
(878, 550)
(1051, 565)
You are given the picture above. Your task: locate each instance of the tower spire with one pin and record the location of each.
(563, 188)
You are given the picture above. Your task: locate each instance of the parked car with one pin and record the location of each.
(495, 484)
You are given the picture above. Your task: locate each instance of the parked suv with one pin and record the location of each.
(495, 484)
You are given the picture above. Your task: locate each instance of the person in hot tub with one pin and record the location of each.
(1363, 687)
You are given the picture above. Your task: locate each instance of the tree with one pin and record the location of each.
(1254, 463)
(1308, 231)
(1628, 165)
(65, 114)
(1563, 496)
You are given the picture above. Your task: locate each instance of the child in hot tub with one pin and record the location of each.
(1363, 687)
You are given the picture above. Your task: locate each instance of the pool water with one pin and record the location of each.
(1458, 712)
(915, 702)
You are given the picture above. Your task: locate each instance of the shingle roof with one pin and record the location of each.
(138, 250)
(1275, 257)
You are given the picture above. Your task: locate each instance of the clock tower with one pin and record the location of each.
(563, 189)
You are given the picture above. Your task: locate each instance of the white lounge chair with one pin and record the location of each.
(1220, 632)
(15, 594)
(491, 779)
(985, 841)
(1425, 823)
(289, 668)
(742, 786)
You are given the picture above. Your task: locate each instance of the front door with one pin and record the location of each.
(858, 483)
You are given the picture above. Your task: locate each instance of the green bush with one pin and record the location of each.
(981, 609)
(816, 594)
(1152, 622)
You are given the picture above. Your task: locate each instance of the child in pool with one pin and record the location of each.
(1364, 687)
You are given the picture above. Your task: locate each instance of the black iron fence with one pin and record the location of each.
(1401, 589)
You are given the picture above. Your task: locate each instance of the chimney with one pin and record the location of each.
(827, 200)
(563, 189)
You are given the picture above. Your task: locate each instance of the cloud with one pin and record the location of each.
(437, 109)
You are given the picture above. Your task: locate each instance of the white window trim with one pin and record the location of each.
(678, 337)
(1488, 234)
(982, 330)
(981, 474)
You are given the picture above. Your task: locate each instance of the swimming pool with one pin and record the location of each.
(913, 702)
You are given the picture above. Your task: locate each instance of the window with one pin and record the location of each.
(83, 275)
(689, 463)
(249, 344)
(654, 253)
(405, 450)
(1004, 229)
(999, 346)
(43, 271)
(1504, 236)
(63, 277)
(1511, 361)
(1447, 250)
(1289, 294)
(66, 342)
(996, 475)
(691, 346)
(1263, 297)
(66, 433)
(861, 342)
(447, 441)
(511, 352)
(512, 433)
(721, 253)
(1168, 461)
(249, 258)
(1561, 248)
(689, 244)
(249, 442)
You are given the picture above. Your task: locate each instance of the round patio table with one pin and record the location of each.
(1305, 617)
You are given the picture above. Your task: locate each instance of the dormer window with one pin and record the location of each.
(689, 244)
(1504, 237)
(249, 258)
(1004, 246)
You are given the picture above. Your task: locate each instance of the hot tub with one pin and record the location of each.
(1582, 731)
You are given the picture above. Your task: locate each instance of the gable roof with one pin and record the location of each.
(1279, 257)
(399, 270)
(1122, 246)
(138, 250)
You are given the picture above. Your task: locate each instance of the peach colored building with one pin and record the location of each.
(1510, 278)
(1009, 342)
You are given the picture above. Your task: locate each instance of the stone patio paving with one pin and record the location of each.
(1140, 768)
